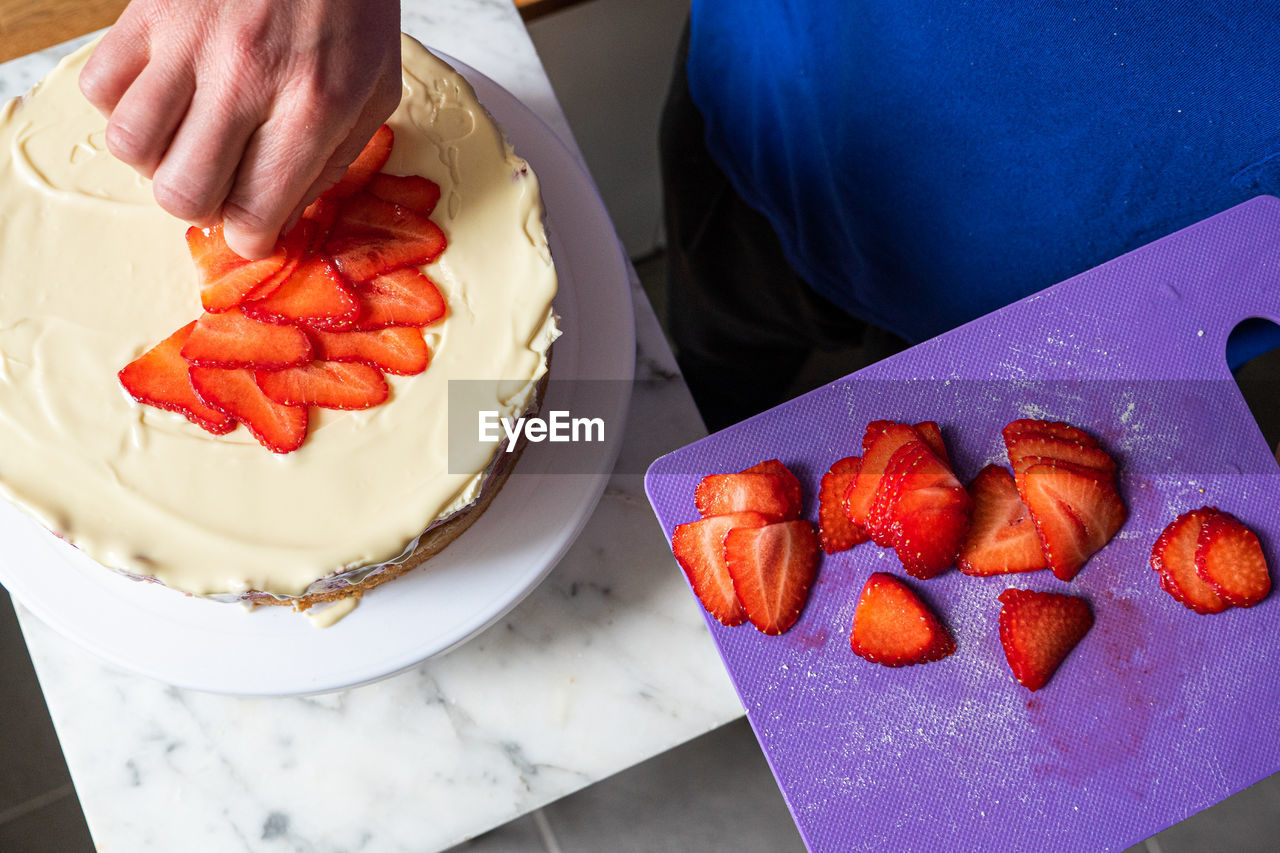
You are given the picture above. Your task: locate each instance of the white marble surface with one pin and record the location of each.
(604, 665)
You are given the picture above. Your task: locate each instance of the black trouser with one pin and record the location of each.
(742, 320)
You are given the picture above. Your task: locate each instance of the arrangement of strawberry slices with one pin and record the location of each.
(750, 557)
(1038, 630)
(906, 497)
(340, 304)
(1068, 484)
(1209, 562)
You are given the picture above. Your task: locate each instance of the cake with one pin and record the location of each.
(93, 273)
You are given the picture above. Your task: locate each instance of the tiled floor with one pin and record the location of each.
(713, 795)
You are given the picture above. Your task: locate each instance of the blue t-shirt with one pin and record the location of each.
(925, 163)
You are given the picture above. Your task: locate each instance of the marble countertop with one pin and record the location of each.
(607, 663)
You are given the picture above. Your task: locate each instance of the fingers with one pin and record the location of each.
(144, 121)
(287, 165)
(199, 168)
(116, 62)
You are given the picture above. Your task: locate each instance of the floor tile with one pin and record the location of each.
(29, 751)
(710, 795)
(57, 827)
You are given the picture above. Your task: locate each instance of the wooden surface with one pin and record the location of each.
(29, 25)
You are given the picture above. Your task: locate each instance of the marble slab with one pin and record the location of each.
(606, 664)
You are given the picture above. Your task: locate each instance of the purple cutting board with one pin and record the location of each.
(1159, 712)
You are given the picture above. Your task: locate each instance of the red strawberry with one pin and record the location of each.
(880, 517)
(931, 433)
(315, 295)
(280, 429)
(893, 627)
(931, 514)
(767, 494)
(367, 164)
(1048, 429)
(398, 350)
(1173, 557)
(1038, 630)
(225, 277)
(835, 530)
(231, 339)
(159, 378)
(1229, 559)
(321, 213)
(327, 384)
(879, 449)
(699, 549)
(403, 297)
(412, 191)
(1026, 449)
(873, 431)
(1002, 537)
(772, 568)
(790, 483)
(372, 236)
(1076, 511)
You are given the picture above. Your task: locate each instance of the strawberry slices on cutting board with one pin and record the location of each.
(340, 303)
(906, 497)
(1068, 483)
(1209, 561)
(750, 557)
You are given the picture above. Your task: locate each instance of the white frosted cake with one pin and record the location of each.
(93, 273)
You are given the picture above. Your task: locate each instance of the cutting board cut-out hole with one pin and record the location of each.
(1253, 351)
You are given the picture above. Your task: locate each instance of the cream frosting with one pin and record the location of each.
(93, 273)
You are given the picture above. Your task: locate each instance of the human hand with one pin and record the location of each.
(244, 111)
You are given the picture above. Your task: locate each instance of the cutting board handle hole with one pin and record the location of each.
(1253, 352)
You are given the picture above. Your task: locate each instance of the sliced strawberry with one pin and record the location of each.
(368, 163)
(372, 236)
(790, 482)
(1076, 511)
(893, 627)
(1002, 537)
(1038, 630)
(231, 339)
(315, 295)
(397, 350)
(159, 378)
(879, 449)
(1173, 557)
(1026, 449)
(280, 429)
(327, 384)
(403, 297)
(699, 549)
(880, 518)
(1047, 429)
(767, 494)
(772, 568)
(412, 191)
(931, 433)
(873, 431)
(931, 514)
(225, 277)
(1229, 559)
(835, 530)
(321, 213)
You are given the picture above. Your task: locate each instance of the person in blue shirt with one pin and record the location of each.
(841, 172)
